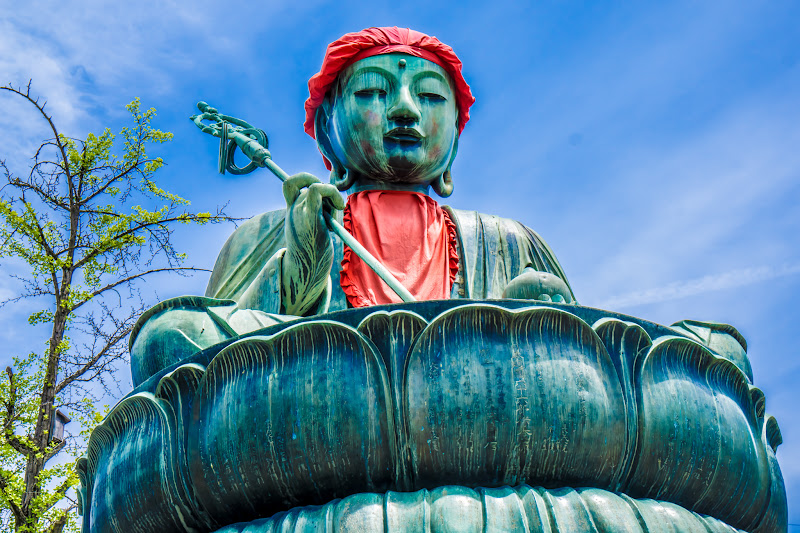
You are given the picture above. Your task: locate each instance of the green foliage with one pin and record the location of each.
(46, 508)
(88, 221)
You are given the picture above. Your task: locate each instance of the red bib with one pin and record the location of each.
(410, 235)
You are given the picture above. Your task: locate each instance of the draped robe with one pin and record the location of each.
(244, 292)
(492, 251)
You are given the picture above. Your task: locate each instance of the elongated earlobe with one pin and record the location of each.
(340, 177)
(444, 185)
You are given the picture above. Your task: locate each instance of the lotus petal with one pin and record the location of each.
(522, 509)
(298, 417)
(698, 434)
(496, 397)
(133, 463)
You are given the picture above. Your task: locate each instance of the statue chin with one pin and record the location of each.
(399, 170)
(407, 182)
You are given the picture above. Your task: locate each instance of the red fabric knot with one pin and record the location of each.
(351, 47)
(411, 235)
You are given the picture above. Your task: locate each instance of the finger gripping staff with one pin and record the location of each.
(253, 142)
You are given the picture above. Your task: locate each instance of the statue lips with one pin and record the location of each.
(404, 136)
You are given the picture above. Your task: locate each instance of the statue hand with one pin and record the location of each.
(535, 285)
(305, 197)
(309, 251)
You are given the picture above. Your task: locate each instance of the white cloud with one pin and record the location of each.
(24, 57)
(721, 197)
(118, 42)
(89, 59)
(714, 282)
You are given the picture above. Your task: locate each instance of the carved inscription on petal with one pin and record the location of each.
(497, 397)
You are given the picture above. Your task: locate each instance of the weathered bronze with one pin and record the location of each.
(418, 396)
(234, 132)
(268, 405)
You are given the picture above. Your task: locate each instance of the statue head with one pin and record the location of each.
(386, 110)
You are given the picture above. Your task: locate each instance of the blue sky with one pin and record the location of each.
(655, 146)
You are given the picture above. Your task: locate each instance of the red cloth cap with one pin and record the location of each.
(351, 47)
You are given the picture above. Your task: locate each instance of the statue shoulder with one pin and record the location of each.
(245, 252)
(519, 245)
(472, 222)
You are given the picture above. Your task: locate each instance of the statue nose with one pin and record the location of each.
(404, 108)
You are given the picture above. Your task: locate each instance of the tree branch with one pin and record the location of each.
(58, 143)
(15, 508)
(40, 231)
(44, 195)
(93, 360)
(139, 227)
(114, 179)
(55, 451)
(61, 522)
(8, 423)
(122, 281)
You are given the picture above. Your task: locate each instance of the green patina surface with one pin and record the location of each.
(424, 395)
(522, 509)
(267, 405)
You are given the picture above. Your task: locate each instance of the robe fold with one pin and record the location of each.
(492, 251)
(244, 292)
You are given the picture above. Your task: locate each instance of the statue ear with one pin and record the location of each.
(339, 175)
(444, 185)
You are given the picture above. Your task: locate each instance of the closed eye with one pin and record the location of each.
(370, 92)
(432, 96)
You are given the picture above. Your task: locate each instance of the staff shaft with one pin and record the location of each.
(354, 245)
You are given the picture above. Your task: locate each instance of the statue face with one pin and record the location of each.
(394, 119)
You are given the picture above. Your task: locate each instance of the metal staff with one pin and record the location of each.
(253, 143)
